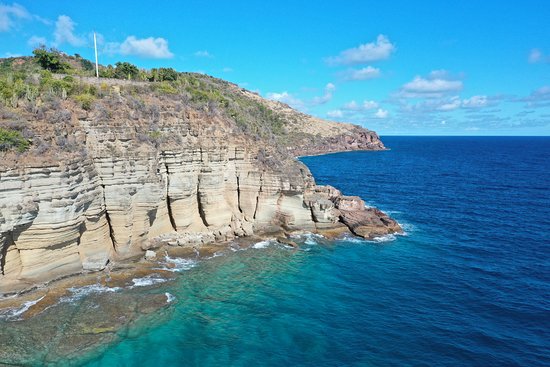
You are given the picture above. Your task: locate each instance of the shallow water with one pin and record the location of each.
(469, 285)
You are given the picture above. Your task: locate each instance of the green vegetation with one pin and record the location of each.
(86, 100)
(52, 75)
(163, 74)
(51, 60)
(12, 139)
(250, 115)
(165, 88)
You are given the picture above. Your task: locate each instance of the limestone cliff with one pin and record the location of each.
(142, 167)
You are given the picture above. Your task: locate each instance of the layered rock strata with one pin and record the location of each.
(199, 180)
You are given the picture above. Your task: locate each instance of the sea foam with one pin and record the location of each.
(176, 264)
(262, 244)
(146, 281)
(169, 297)
(13, 314)
(80, 292)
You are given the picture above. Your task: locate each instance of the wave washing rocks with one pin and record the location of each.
(202, 179)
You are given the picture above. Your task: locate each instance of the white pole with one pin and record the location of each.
(96, 64)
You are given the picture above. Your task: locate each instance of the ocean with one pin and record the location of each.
(467, 285)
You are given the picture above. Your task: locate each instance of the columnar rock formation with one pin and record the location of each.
(148, 174)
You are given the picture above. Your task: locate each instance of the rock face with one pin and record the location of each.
(314, 136)
(197, 179)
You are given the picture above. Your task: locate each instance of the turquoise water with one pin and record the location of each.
(469, 285)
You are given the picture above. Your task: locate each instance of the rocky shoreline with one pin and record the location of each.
(98, 308)
(138, 169)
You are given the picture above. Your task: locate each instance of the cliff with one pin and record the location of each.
(143, 165)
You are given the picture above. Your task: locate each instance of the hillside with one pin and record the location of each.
(38, 103)
(95, 171)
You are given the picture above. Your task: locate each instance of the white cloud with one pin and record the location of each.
(155, 48)
(337, 114)
(368, 72)
(475, 102)
(354, 106)
(421, 85)
(437, 84)
(297, 103)
(203, 53)
(381, 49)
(358, 111)
(329, 89)
(227, 70)
(9, 14)
(9, 54)
(381, 114)
(287, 98)
(450, 105)
(36, 41)
(537, 56)
(369, 105)
(64, 32)
(538, 98)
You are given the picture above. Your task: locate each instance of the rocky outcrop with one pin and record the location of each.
(196, 180)
(309, 135)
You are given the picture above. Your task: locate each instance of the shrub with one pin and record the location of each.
(11, 139)
(86, 101)
(50, 60)
(125, 70)
(166, 88)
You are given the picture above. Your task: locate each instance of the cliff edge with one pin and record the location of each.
(99, 171)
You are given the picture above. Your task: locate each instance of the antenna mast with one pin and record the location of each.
(96, 64)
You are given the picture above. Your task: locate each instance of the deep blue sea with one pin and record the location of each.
(469, 285)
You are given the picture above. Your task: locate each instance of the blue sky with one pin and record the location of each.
(397, 67)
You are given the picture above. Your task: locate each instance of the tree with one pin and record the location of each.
(167, 74)
(50, 60)
(125, 70)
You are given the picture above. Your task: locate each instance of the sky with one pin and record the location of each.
(397, 67)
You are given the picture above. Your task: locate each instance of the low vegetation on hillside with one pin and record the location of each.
(42, 82)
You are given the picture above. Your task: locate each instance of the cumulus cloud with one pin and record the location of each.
(368, 72)
(326, 97)
(381, 113)
(538, 98)
(36, 41)
(432, 86)
(10, 14)
(337, 114)
(437, 84)
(203, 53)
(64, 32)
(300, 104)
(476, 102)
(358, 111)
(448, 104)
(154, 48)
(381, 49)
(366, 105)
(537, 56)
